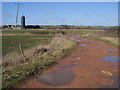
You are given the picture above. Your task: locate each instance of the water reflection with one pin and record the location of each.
(67, 66)
(111, 59)
(111, 49)
(56, 78)
(82, 44)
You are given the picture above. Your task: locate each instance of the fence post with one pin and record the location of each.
(21, 50)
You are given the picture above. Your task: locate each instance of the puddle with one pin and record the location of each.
(56, 78)
(111, 49)
(82, 44)
(111, 59)
(66, 66)
(75, 39)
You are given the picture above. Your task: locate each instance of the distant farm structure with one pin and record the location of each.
(77, 27)
(22, 26)
(23, 22)
(19, 27)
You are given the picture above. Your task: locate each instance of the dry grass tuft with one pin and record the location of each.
(109, 36)
(111, 39)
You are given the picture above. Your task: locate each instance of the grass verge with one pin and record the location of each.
(42, 56)
(110, 37)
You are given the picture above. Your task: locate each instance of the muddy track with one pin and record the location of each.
(93, 64)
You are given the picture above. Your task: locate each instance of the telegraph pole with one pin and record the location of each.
(18, 4)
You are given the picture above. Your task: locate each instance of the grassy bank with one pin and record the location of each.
(108, 36)
(37, 59)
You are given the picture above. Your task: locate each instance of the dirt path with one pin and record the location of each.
(84, 68)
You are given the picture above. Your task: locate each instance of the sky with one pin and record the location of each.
(60, 13)
(60, 0)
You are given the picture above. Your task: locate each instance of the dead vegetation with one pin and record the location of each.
(109, 36)
(108, 33)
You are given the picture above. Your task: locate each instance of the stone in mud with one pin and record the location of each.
(107, 73)
(77, 58)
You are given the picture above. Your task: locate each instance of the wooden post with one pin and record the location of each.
(20, 46)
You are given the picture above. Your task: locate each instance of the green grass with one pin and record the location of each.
(11, 43)
(81, 31)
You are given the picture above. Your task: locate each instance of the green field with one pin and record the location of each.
(28, 37)
(11, 43)
(81, 31)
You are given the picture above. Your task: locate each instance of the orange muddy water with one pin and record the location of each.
(93, 64)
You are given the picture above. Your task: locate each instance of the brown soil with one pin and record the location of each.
(90, 71)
